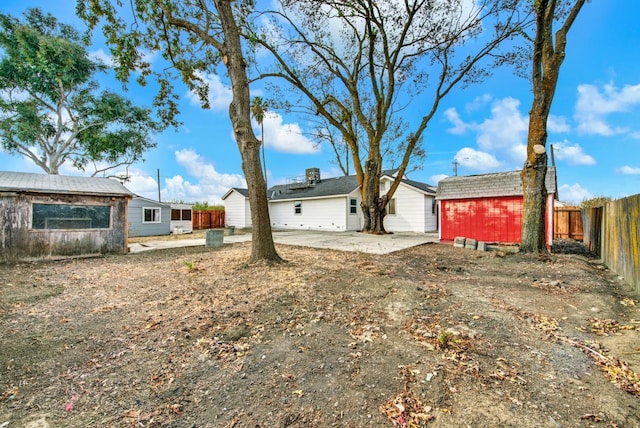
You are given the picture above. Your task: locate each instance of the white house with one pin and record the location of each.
(236, 208)
(334, 204)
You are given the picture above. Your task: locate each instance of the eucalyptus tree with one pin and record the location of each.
(361, 64)
(548, 54)
(196, 37)
(52, 110)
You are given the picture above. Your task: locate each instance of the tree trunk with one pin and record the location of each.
(535, 200)
(373, 206)
(262, 247)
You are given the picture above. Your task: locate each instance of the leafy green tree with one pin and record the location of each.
(195, 37)
(52, 110)
(548, 55)
(360, 63)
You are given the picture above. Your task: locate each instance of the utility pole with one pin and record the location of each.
(159, 185)
(455, 167)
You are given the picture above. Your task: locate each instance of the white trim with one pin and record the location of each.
(159, 220)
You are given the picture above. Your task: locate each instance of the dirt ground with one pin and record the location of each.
(432, 336)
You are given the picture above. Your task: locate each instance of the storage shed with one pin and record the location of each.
(488, 207)
(148, 217)
(181, 218)
(50, 216)
(237, 211)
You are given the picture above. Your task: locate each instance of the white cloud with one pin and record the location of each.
(107, 59)
(285, 137)
(594, 104)
(572, 154)
(103, 57)
(573, 194)
(475, 160)
(630, 170)
(208, 184)
(503, 133)
(478, 102)
(141, 183)
(506, 128)
(459, 126)
(220, 95)
(558, 124)
(436, 178)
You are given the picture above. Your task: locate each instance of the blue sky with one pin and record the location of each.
(595, 124)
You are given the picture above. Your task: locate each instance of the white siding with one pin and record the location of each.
(413, 212)
(354, 221)
(317, 214)
(236, 210)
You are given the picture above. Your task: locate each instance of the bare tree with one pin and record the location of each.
(195, 36)
(548, 55)
(360, 63)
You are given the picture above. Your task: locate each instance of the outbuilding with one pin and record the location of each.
(148, 217)
(488, 207)
(51, 216)
(237, 211)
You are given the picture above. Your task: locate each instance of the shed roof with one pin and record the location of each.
(243, 192)
(11, 181)
(488, 185)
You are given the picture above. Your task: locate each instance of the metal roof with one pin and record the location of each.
(43, 183)
(488, 185)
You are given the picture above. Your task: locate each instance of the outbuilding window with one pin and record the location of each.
(297, 206)
(151, 215)
(177, 214)
(62, 216)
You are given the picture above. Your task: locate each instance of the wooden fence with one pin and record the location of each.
(614, 230)
(207, 219)
(567, 223)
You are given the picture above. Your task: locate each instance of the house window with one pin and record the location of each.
(175, 215)
(151, 215)
(61, 216)
(434, 204)
(297, 205)
(186, 214)
(391, 207)
(353, 206)
(383, 186)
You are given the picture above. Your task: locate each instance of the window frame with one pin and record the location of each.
(392, 207)
(353, 206)
(297, 207)
(145, 209)
(40, 214)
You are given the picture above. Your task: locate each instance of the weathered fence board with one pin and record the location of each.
(567, 223)
(207, 219)
(617, 228)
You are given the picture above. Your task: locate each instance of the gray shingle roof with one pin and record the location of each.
(327, 187)
(336, 186)
(488, 185)
(43, 183)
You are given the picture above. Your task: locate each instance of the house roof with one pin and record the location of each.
(44, 183)
(243, 192)
(336, 186)
(488, 185)
(151, 201)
